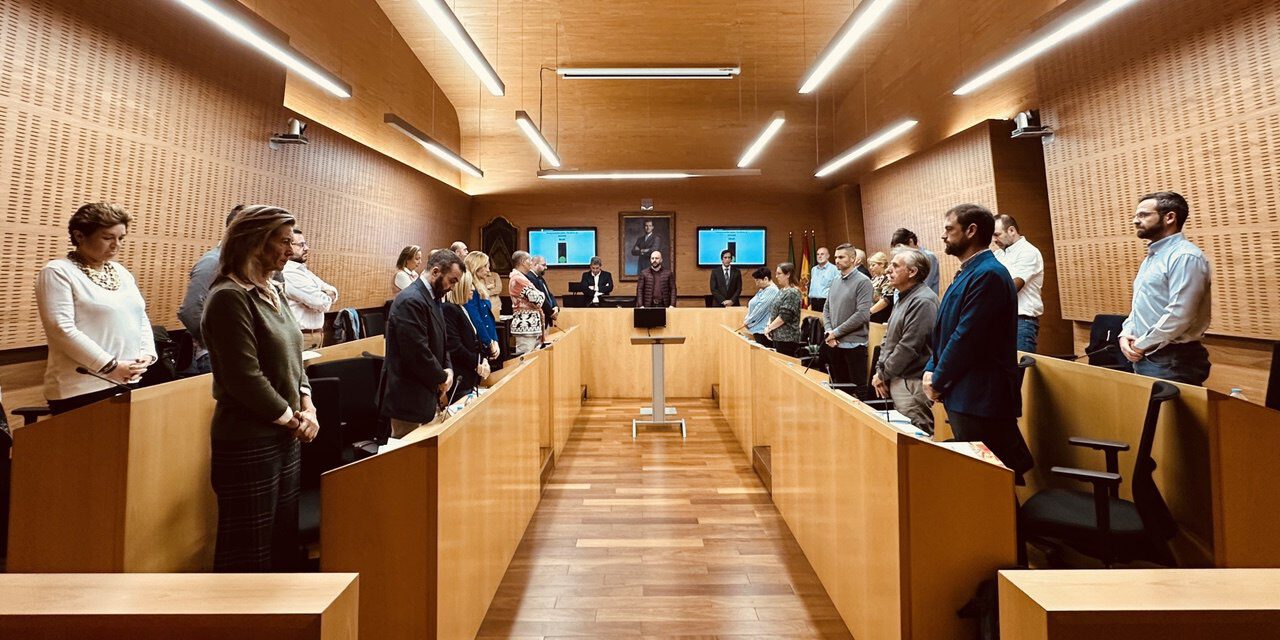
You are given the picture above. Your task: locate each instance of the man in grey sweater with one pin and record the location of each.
(906, 347)
(845, 319)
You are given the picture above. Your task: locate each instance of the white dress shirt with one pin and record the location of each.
(595, 286)
(309, 296)
(1024, 261)
(404, 278)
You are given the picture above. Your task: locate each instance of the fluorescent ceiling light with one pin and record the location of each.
(647, 174)
(854, 29)
(770, 130)
(1071, 28)
(650, 73)
(430, 144)
(863, 148)
(235, 25)
(535, 136)
(448, 24)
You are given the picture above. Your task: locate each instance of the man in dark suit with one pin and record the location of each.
(550, 308)
(416, 373)
(645, 245)
(597, 281)
(726, 282)
(974, 367)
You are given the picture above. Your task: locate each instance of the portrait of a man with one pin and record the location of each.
(642, 233)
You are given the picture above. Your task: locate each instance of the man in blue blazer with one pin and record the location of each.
(974, 367)
(416, 372)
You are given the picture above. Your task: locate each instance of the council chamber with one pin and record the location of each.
(415, 319)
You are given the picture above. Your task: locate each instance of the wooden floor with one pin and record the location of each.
(658, 538)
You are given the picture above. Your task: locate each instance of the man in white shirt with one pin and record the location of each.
(820, 278)
(1026, 266)
(309, 296)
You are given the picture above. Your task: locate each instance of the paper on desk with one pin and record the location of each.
(973, 450)
(310, 355)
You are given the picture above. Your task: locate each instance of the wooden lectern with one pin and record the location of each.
(119, 485)
(659, 411)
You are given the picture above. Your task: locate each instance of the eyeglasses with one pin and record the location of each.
(299, 244)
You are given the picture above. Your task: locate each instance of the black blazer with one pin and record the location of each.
(606, 284)
(464, 348)
(549, 300)
(720, 290)
(416, 357)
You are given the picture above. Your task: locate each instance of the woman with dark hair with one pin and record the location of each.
(407, 267)
(94, 317)
(760, 307)
(784, 328)
(263, 397)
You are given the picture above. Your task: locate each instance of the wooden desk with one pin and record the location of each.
(563, 372)
(899, 530)
(315, 606)
(1169, 604)
(612, 369)
(432, 525)
(122, 484)
(1216, 456)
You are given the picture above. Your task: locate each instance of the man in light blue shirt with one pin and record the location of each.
(1171, 296)
(760, 307)
(907, 238)
(820, 278)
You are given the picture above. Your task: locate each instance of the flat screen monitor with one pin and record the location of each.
(563, 246)
(650, 317)
(746, 243)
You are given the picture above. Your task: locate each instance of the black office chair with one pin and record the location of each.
(1103, 349)
(357, 411)
(1099, 523)
(372, 323)
(6, 443)
(1273, 382)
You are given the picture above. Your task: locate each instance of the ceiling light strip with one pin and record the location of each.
(770, 130)
(447, 22)
(855, 28)
(535, 136)
(431, 145)
(235, 25)
(863, 148)
(1056, 36)
(649, 73)
(647, 174)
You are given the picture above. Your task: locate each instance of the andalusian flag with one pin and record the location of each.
(791, 247)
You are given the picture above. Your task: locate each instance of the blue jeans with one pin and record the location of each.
(198, 366)
(1028, 331)
(1187, 362)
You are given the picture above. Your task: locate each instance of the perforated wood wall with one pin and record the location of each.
(132, 103)
(915, 193)
(1192, 106)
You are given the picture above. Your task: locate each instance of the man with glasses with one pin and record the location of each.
(1171, 296)
(309, 296)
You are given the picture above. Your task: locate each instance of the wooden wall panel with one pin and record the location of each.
(706, 204)
(139, 103)
(1196, 111)
(915, 193)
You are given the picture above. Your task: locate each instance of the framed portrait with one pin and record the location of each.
(640, 234)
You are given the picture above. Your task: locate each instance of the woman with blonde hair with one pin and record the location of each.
(93, 314)
(467, 351)
(264, 406)
(478, 302)
(882, 290)
(407, 267)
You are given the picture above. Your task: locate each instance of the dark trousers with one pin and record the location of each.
(1028, 332)
(847, 366)
(257, 482)
(83, 400)
(759, 338)
(1001, 436)
(1187, 362)
(817, 304)
(786, 348)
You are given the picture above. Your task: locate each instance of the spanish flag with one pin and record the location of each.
(804, 271)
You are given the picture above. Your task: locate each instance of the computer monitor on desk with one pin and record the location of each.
(650, 317)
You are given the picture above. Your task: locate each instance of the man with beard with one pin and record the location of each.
(309, 296)
(550, 309)
(416, 373)
(656, 287)
(974, 367)
(1171, 296)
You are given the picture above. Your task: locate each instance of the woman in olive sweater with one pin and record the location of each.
(263, 398)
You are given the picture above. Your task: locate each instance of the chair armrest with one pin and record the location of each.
(1096, 478)
(1105, 485)
(31, 414)
(1101, 445)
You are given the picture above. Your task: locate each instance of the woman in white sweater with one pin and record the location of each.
(93, 314)
(407, 267)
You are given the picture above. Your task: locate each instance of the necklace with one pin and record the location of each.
(107, 277)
